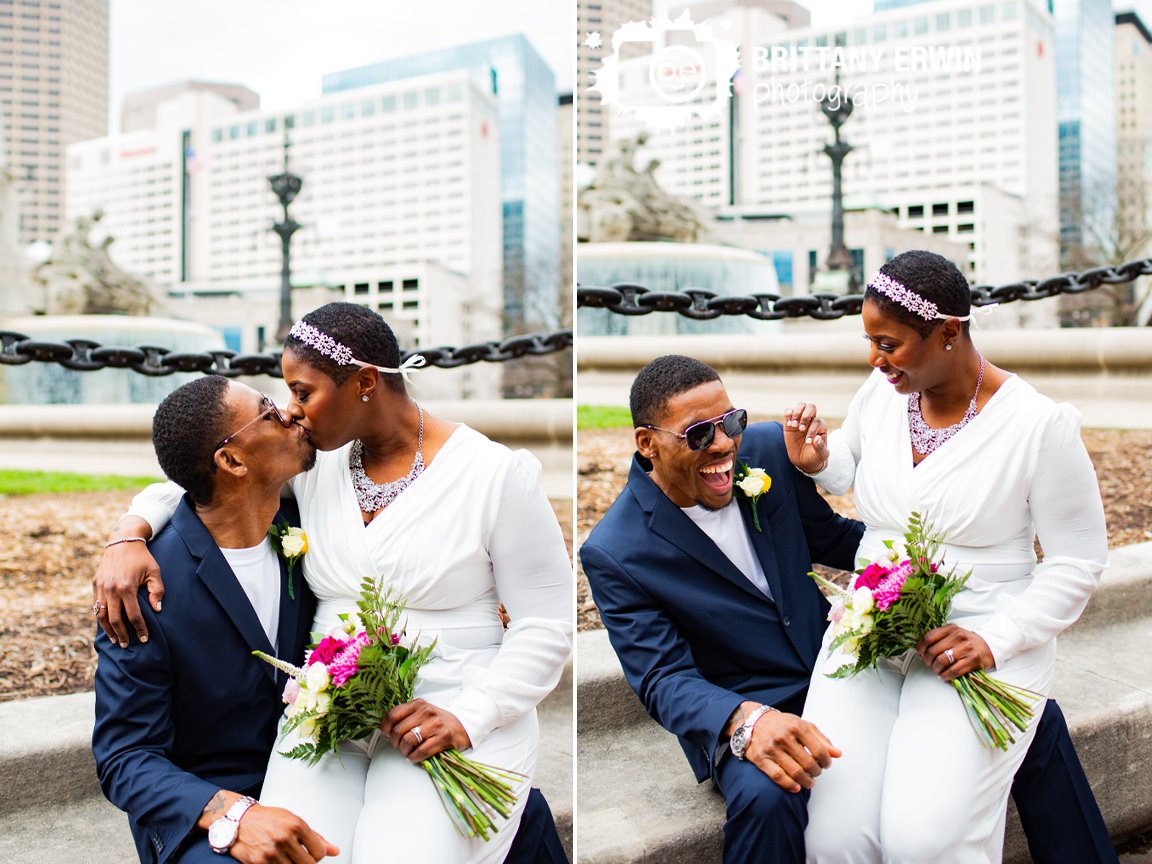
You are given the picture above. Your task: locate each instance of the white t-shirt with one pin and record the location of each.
(726, 529)
(257, 570)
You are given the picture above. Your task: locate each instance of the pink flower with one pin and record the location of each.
(871, 575)
(291, 691)
(395, 638)
(837, 610)
(326, 649)
(888, 591)
(345, 665)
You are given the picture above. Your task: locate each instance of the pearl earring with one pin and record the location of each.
(364, 398)
(946, 348)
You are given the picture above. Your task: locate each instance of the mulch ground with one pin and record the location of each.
(52, 547)
(1123, 461)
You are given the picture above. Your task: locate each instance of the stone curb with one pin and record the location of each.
(54, 812)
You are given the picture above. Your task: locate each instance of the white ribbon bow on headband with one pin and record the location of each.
(412, 363)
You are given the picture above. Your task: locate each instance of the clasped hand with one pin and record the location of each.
(790, 750)
(271, 835)
(419, 730)
(951, 651)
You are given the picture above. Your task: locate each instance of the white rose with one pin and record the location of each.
(306, 731)
(294, 543)
(755, 482)
(862, 601)
(317, 678)
(323, 704)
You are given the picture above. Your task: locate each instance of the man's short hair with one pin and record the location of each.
(186, 428)
(660, 381)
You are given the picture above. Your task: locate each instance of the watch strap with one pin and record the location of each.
(743, 736)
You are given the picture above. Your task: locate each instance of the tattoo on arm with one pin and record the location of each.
(217, 805)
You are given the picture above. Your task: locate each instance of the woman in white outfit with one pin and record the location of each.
(461, 527)
(992, 464)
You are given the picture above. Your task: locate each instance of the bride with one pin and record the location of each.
(460, 526)
(993, 465)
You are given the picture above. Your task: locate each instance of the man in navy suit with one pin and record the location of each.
(704, 593)
(185, 721)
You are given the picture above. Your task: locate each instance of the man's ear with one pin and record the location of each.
(645, 442)
(228, 461)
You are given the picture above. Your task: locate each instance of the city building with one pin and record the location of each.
(1086, 111)
(53, 92)
(1133, 134)
(400, 208)
(523, 85)
(564, 133)
(139, 109)
(953, 127)
(603, 18)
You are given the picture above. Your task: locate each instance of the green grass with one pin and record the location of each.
(602, 417)
(33, 482)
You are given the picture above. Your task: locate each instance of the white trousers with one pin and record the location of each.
(914, 784)
(378, 807)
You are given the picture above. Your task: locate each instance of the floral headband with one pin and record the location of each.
(342, 354)
(899, 293)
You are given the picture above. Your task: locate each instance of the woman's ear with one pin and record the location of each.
(367, 382)
(949, 332)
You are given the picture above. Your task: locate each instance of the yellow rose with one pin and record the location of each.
(294, 543)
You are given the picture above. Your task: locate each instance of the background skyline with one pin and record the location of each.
(159, 42)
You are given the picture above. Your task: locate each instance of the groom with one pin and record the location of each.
(717, 626)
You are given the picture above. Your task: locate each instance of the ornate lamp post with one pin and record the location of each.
(837, 107)
(287, 186)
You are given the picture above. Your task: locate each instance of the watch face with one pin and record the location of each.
(222, 834)
(739, 740)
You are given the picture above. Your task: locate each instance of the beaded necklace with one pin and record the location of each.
(376, 496)
(925, 439)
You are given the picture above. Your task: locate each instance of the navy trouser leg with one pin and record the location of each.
(765, 823)
(537, 840)
(1058, 812)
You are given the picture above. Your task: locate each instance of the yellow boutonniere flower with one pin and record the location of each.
(290, 543)
(752, 482)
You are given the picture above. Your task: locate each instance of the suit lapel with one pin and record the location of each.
(671, 523)
(763, 544)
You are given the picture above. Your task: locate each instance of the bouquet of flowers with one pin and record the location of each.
(893, 603)
(353, 677)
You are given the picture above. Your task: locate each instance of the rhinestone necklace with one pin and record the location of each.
(925, 439)
(376, 496)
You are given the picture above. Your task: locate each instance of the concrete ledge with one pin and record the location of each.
(54, 813)
(1124, 589)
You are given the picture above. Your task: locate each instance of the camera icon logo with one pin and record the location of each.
(665, 72)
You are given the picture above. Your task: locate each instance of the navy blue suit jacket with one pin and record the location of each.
(192, 711)
(694, 636)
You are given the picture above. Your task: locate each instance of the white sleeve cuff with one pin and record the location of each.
(155, 504)
(1004, 637)
(477, 712)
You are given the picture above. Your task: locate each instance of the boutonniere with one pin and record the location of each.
(290, 544)
(752, 482)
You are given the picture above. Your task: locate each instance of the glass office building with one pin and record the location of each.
(1086, 110)
(525, 90)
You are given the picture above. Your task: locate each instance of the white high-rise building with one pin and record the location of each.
(400, 208)
(1134, 130)
(53, 92)
(953, 126)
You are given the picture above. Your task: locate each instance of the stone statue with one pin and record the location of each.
(81, 279)
(622, 203)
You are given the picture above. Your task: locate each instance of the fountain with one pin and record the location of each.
(86, 296)
(630, 230)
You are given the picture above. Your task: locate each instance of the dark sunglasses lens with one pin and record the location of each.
(735, 422)
(700, 435)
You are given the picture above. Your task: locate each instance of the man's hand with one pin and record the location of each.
(271, 835)
(267, 835)
(419, 729)
(123, 569)
(791, 751)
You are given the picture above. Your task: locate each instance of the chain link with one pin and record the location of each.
(83, 355)
(626, 298)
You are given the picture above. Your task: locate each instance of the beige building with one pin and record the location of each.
(602, 17)
(1134, 130)
(53, 92)
(564, 131)
(140, 108)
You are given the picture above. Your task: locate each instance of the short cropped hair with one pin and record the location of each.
(362, 331)
(186, 428)
(934, 278)
(660, 381)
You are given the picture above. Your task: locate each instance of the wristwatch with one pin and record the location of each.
(222, 832)
(743, 734)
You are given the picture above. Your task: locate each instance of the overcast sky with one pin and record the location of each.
(282, 48)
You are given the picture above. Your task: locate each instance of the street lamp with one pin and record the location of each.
(837, 107)
(287, 186)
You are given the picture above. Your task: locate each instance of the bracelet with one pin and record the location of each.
(125, 540)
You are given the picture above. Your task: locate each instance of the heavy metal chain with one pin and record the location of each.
(84, 355)
(629, 299)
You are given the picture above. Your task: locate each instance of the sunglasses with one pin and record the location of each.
(700, 435)
(269, 407)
